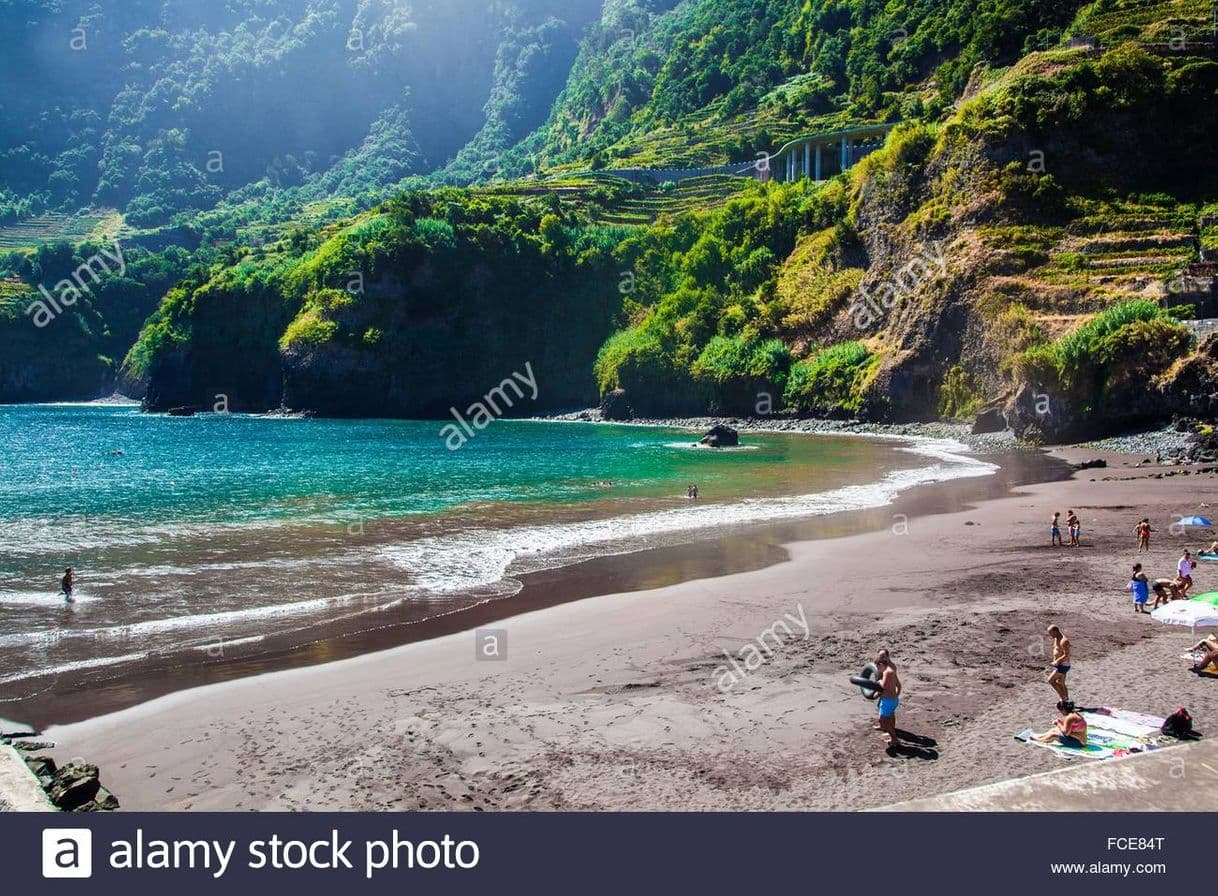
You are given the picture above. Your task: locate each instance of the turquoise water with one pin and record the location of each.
(188, 533)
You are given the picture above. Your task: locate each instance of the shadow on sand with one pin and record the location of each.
(914, 746)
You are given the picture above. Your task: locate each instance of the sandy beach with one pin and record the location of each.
(633, 701)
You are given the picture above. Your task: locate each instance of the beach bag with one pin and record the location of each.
(1179, 724)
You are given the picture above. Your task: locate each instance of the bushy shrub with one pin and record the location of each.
(832, 380)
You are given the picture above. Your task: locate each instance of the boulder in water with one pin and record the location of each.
(720, 436)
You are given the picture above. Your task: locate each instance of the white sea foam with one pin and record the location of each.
(482, 558)
(46, 598)
(77, 665)
(223, 620)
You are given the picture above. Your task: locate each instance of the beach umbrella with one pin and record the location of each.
(1187, 612)
(1209, 597)
(1195, 521)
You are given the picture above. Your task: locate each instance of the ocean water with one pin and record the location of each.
(205, 533)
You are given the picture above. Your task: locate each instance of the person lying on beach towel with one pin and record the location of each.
(1069, 731)
(1206, 658)
(1209, 642)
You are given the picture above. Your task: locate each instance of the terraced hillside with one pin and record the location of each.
(1113, 21)
(1118, 252)
(103, 225)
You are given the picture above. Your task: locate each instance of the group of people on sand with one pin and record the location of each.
(1166, 590)
(1073, 527)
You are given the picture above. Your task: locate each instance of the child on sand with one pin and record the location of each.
(1075, 528)
(1140, 586)
(1055, 530)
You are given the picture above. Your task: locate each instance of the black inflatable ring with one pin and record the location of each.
(868, 682)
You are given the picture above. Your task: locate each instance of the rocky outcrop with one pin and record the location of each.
(989, 420)
(614, 406)
(720, 436)
(74, 787)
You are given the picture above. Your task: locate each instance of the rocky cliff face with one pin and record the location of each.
(1002, 232)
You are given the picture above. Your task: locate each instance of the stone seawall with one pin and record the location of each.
(20, 790)
(30, 780)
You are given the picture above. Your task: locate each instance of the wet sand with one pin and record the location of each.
(622, 701)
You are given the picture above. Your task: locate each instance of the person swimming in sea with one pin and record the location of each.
(66, 586)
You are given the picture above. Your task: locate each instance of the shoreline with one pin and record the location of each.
(78, 694)
(608, 703)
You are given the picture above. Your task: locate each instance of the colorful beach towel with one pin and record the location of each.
(1110, 732)
(1100, 745)
(1123, 721)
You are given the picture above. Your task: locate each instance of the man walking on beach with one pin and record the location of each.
(890, 696)
(1061, 666)
(1055, 529)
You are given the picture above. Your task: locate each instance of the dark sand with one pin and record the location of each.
(613, 702)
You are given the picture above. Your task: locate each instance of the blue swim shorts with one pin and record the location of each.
(888, 707)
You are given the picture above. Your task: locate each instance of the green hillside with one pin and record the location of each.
(1027, 238)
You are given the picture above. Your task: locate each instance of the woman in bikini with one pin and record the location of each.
(1069, 731)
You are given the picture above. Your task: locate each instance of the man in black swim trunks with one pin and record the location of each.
(1061, 666)
(65, 585)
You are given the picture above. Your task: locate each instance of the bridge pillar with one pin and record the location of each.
(807, 160)
(845, 154)
(818, 161)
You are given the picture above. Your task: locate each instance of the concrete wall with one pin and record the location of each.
(19, 789)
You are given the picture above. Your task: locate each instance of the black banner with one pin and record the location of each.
(609, 853)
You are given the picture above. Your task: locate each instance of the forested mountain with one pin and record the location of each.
(1029, 237)
(158, 106)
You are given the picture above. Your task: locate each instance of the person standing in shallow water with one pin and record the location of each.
(66, 585)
